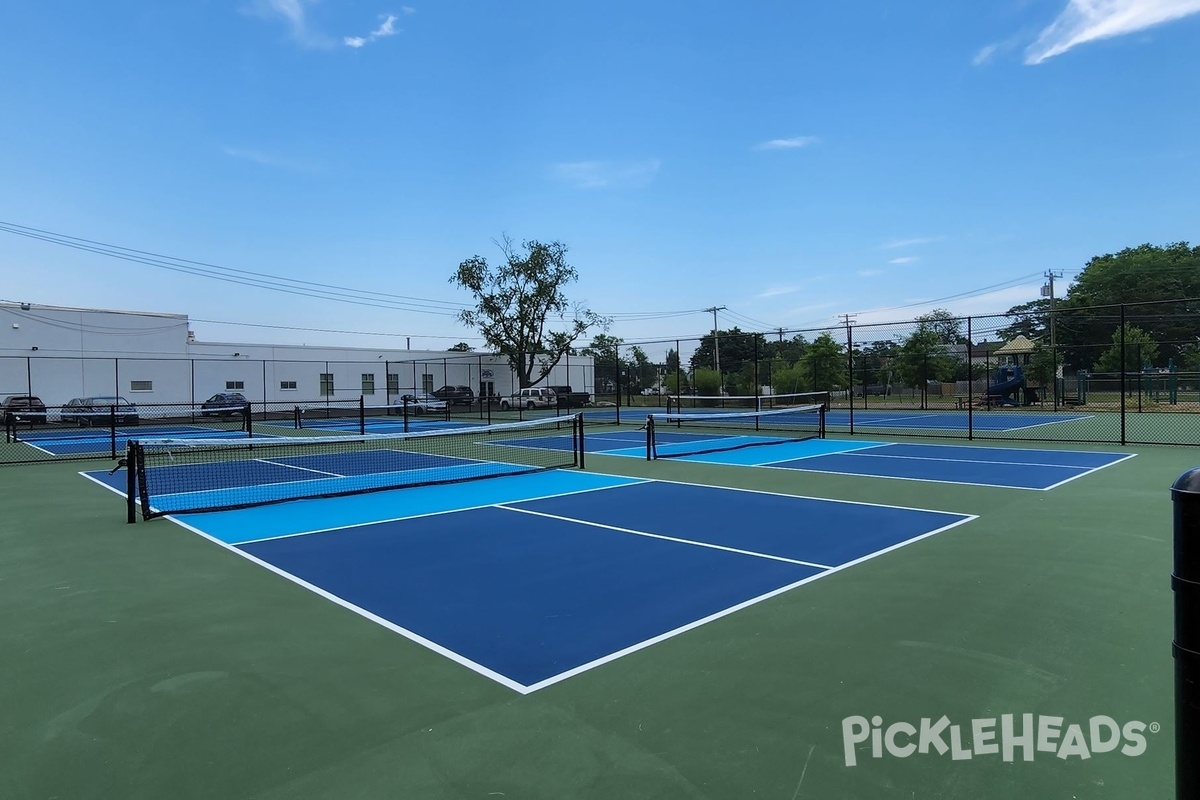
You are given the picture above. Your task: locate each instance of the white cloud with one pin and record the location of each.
(294, 13)
(385, 29)
(776, 291)
(896, 244)
(406, 10)
(1084, 21)
(869, 273)
(788, 144)
(904, 260)
(984, 55)
(607, 174)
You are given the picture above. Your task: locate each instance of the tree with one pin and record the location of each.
(737, 348)
(515, 302)
(461, 347)
(1031, 320)
(605, 351)
(1163, 281)
(672, 361)
(1140, 349)
(825, 362)
(644, 373)
(946, 326)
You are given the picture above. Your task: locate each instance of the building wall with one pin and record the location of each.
(150, 358)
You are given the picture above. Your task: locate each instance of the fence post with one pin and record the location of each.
(850, 373)
(1185, 582)
(971, 385)
(1122, 382)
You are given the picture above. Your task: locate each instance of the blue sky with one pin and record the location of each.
(791, 161)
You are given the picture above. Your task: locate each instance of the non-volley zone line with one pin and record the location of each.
(567, 571)
(938, 419)
(1002, 467)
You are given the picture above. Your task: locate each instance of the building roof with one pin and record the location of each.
(1018, 346)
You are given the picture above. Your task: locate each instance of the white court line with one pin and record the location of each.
(445, 511)
(664, 537)
(896, 478)
(293, 466)
(733, 609)
(391, 626)
(523, 689)
(965, 460)
(1090, 471)
(886, 420)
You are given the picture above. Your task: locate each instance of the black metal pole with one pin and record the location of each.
(1122, 384)
(971, 384)
(130, 485)
(1185, 582)
(850, 373)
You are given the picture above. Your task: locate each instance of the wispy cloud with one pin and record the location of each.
(269, 160)
(1084, 21)
(904, 260)
(896, 244)
(869, 273)
(385, 29)
(795, 143)
(776, 291)
(607, 174)
(294, 14)
(984, 55)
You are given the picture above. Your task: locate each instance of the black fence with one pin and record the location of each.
(1122, 374)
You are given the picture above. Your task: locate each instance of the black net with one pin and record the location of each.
(695, 433)
(183, 476)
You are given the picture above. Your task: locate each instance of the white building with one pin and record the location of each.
(61, 353)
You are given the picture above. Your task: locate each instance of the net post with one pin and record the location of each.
(131, 487)
(1185, 583)
(296, 417)
(112, 431)
(579, 429)
(649, 437)
(404, 404)
(362, 415)
(247, 419)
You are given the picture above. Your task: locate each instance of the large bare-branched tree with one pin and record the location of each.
(520, 308)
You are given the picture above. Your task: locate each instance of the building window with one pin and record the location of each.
(393, 382)
(326, 384)
(368, 383)
(141, 386)
(287, 386)
(234, 386)
(427, 383)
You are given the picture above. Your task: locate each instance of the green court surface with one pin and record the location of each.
(144, 661)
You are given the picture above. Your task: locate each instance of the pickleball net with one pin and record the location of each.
(762, 402)
(694, 433)
(190, 476)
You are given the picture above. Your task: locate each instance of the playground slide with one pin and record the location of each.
(1008, 382)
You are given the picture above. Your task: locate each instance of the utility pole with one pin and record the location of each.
(717, 348)
(1048, 291)
(780, 331)
(847, 321)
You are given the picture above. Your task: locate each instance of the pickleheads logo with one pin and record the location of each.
(1029, 734)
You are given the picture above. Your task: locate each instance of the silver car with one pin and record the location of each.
(421, 404)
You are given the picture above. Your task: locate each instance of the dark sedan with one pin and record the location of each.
(24, 408)
(96, 411)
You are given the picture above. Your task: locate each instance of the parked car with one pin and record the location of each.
(95, 411)
(420, 404)
(24, 408)
(456, 395)
(571, 399)
(223, 404)
(530, 398)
